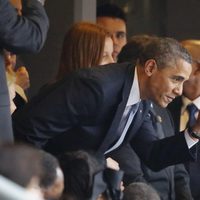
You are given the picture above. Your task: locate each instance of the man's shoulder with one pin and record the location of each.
(110, 74)
(117, 69)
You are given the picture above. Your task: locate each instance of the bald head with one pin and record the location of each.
(191, 87)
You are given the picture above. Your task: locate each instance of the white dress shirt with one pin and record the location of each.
(127, 117)
(185, 117)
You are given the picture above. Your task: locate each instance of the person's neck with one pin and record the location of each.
(142, 83)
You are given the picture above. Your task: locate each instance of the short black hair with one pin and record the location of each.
(49, 166)
(79, 168)
(163, 50)
(132, 50)
(111, 10)
(140, 191)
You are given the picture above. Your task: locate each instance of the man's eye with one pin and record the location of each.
(177, 79)
(120, 35)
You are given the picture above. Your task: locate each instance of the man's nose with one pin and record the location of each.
(114, 39)
(178, 90)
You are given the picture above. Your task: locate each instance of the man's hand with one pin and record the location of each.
(112, 164)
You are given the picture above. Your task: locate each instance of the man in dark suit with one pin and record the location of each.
(103, 108)
(18, 34)
(181, 113)
(172, 182)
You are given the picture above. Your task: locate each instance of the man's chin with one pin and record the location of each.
(161, 104)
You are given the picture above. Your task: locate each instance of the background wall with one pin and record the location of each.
(183, 19)
(175, 18)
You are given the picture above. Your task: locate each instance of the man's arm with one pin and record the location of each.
(25, 33)
(158, 154)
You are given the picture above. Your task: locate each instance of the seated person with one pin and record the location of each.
(17, 81)
(22, 165)
(140, 191)
(85, 177)
(52, 180)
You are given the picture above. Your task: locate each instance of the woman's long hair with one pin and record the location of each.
(82, 47)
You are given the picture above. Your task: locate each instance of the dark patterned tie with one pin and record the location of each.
(193, 167)
(192, 109)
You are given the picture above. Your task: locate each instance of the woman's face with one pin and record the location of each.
(107, 53)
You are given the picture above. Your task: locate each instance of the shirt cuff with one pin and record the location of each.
(190, 142)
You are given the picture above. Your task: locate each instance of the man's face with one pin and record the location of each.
(117, 28)
(163, 85)
(191, 88)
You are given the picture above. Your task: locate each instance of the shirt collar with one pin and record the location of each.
(134, 96)
(186, 102)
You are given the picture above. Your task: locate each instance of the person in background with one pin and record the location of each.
(80, 168)
(88, 176)
(185, 110)
(140, 191)
(22, 165)
(171, 182)
(17, 81)
(85, 45)
(18, 34)
(113, 18)
(11, 79)
(52, 180)
(21, 75)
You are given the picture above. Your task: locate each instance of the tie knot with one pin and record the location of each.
(192, 108)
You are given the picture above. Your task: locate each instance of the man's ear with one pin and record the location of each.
(150, 67)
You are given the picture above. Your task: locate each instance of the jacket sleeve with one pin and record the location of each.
(182, 186)
(129, 163)
(26, 33)
(158, 154)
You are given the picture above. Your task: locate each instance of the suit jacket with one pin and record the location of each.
(192, 167)
(18, 35)
(83, 111)
(172, 182)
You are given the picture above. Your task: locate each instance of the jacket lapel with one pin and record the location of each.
(112, 135)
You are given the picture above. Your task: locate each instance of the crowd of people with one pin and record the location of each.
(119, 121)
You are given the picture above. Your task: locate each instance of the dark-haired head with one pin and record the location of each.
(111, 10)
